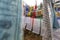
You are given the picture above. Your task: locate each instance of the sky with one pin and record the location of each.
(32, 2)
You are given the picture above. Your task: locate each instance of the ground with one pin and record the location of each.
(28, 35)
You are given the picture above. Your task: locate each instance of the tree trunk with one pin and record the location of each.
(46, 21)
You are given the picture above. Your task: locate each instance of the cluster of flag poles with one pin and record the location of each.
(28, 10)
(33, 12)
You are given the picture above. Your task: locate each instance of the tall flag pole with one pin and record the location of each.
(34, 14)
(26, 9)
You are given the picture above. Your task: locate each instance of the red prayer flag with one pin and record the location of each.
(35, 5)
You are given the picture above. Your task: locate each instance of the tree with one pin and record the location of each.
(46, 21)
